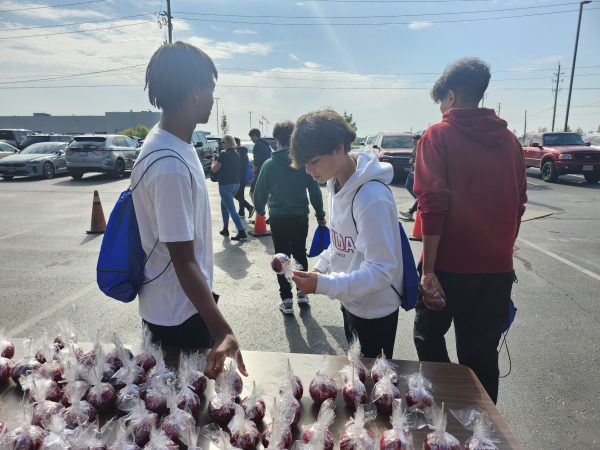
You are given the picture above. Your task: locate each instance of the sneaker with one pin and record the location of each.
(302, 298)
(287, 306)
(251, 211)
(224, 232)
(241, 236)
(407, 215)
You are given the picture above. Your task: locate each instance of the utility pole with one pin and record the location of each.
(525, 127)
(250, 112)
(218, 124)
(483, 101)
(581, 3)
(555, 95)
(499, 106)
(169, 22)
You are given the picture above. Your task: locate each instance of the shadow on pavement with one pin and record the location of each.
(91, 180)
(232, 259)
(564, 180)
(317, 341)
(90, 237)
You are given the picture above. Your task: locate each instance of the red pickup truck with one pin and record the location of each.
(562, 153)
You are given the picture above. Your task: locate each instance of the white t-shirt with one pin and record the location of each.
(170, 207)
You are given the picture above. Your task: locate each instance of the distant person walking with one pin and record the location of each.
(410, 180)
(471, 186)
(227, 166)
(240, 195)
(284, 189)
(261, 152)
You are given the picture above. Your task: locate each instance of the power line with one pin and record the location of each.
(81, 31)
(379, 23)
(376, 17)
(394, 1)
(77, 23)
(61, 77)
(50, 6)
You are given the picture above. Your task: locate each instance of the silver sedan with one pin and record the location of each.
(44, 159)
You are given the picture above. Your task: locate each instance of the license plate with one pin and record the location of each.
(586, 168)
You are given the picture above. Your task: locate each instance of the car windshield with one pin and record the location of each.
(43, 148)
(369, 140)
(4, 147)
(6, 134)
(554, 139)
(397, 142)
(88, 141)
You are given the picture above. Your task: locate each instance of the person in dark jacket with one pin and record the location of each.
(471, 186)
(239, 196)
(410, 180)
(284, 188)
(227, 166)
(261, 152)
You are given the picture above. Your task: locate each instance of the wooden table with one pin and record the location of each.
(453, 384)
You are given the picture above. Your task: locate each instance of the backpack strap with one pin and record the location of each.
(354, 220)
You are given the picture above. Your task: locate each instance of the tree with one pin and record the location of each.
(598, 130)
(348, 118)
(139, 130)
(580, 131)
(542, 129)
(224, 124)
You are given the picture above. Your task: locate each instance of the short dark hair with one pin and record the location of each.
(319, 133)
(238, 142)
(175, 71)
(254, 132)
(467, 77)
(282, 131)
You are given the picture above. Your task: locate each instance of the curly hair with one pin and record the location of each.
(319, 133)
(282, 131)
(467, 77)
(175, 71)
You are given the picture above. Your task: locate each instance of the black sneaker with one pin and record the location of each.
(224, 232)
(241, 236)
(251, 211)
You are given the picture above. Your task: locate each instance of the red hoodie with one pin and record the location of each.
(471, 187)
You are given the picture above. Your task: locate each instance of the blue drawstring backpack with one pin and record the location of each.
(320, 242)
(410, 277)
(120, 268)
(249, 173)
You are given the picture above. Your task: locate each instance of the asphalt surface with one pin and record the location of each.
(550, 399)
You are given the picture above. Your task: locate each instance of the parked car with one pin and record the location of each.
(561, 153)
(7, 150)
(44, 159)
(203, 149)
(368, 142)
(105, 153)
(396, 149)
(215, 143)
(272, 142)
(592, 139)
(35, 138)
(250, 146)
(14, 137)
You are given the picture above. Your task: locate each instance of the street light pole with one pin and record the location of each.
(250, 112)
(217, 102)
(169, 22)
(581, 3)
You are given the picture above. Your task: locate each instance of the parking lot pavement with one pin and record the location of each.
(47, 273)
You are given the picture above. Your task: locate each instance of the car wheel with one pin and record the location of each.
(119, 169)
(76, 175)
(592, 177)
(549, 173)
(48, 171)
(8, 177)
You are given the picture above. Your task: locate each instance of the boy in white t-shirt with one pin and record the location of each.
(173, 212)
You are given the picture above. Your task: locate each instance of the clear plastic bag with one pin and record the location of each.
(399, 437)
(159, 440)
(355, 436)
(277, 434)
(354, 390)
(317, 435)
(229, 376)
(140, 422)
(254, 405)
(354, 354)
(7, 348)
(439, 438)
(27, 364)
(123, 439)
(178, 422)
(382, 366)
(145, 359)
(477, 421)
(80, 410)
(418, 396)
(284, 265)
(322, 386)
(101, 395)
(190, 372)
(294, 381)
(287, 404)
(244, 433)
(156, 395)
(221, 407)
(384, 393)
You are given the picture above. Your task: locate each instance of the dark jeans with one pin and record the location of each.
(289, 236)
(193, 333)
(373, 334)
(410, 182)
(478, 305)
(243, 204)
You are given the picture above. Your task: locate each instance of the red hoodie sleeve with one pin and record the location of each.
(431, 183)
(522, 180)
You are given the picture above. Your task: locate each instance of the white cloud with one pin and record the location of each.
(227, 50)
(293, 57)
(312, 65)
(419, 25)
(547, 59)
(245, 31)
(51, 13)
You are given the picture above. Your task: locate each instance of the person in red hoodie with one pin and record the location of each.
(471, 187)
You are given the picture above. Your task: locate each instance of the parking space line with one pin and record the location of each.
(14, 234)
(583, 270)
(51, 310)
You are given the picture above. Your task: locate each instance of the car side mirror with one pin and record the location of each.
(375, 146)
(535, 144)
(589, 144)
(199, 144)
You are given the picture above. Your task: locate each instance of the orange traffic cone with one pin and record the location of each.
(260, 227)
(98, 225)
(417, 233)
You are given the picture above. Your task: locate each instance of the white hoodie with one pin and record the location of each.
(359, 269)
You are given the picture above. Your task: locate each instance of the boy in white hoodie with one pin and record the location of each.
(362, 267)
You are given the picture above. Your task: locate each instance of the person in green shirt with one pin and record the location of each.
(284, 188)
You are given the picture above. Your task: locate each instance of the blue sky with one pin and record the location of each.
(379, 68)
